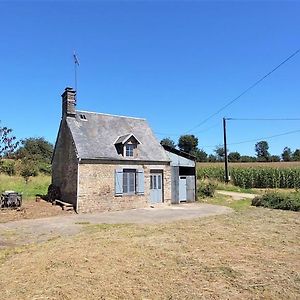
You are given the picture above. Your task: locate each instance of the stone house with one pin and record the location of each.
(107, 162)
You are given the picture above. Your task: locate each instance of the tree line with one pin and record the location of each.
(27, 157)
(189, 144)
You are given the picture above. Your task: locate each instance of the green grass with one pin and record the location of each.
(232, 188)
(237, 205)
(36, 185)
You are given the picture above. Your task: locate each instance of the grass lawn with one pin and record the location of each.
(232, 188)
(36, 185)
(253, 253)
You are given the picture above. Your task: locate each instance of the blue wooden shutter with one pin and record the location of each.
(118, 182)
(140, 182)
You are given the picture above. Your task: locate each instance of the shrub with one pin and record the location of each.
(45, 168)
(277, 200)
(28, 169)
(206, 189)
(8, 167)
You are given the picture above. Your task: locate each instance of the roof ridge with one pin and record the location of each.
(112, 115)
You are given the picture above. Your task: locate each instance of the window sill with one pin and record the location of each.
(130, 194)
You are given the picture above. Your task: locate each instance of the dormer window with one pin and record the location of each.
(129, 150)
(127, 145)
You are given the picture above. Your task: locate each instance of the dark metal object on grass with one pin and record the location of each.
(10, 199)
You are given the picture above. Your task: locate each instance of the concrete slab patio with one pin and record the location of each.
(38, 230)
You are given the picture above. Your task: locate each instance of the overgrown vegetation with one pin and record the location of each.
(8, 167)
(29, 160)
(37, 185)
(206, 189)
(255, 177)
(286, 201)
(35, 154)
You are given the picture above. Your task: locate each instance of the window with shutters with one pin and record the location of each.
(129, 182)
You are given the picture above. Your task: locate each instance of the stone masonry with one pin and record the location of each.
(96, 187)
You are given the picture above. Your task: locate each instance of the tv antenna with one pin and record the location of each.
(76, 65)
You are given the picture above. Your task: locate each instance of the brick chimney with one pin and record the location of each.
(68, 102)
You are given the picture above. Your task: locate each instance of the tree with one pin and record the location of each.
(37, 149)
(8, 142)
(201, 155)
(247, 158)
(212, 158)
(286, 154)
(234, 156)
(28, 169)
(220, 152)
(168, 142)
(188, 143)
(296, 155)
(275, 158)
(262, 152)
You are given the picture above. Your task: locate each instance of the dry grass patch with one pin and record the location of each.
(251, 254)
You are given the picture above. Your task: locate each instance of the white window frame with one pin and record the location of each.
(129, 150)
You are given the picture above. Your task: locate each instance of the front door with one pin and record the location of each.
(156, 188)
(182, 188)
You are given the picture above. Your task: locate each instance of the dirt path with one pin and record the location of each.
(38, 230)
(236, 195)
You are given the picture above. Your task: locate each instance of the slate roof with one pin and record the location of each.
(95, 137)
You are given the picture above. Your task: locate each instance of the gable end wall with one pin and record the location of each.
(65, 165)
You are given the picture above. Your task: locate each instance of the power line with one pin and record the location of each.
(173, 134)
(245, 91)
(266, 138)
(263, 119)
(255, 140)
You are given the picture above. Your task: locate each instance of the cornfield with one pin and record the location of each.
(254, 177)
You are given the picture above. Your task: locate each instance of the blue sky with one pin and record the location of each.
(173, 63)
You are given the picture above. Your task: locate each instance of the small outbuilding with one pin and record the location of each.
(183, 175)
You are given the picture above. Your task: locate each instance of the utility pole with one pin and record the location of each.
(225, 150)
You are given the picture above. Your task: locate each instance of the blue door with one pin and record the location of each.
(156, 188)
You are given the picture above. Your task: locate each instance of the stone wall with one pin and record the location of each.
(96, 191)
(65, 165)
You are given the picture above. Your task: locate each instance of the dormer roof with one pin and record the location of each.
(124, 139)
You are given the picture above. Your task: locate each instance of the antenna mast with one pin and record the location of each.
(76, 64)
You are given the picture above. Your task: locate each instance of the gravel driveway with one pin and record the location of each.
(237, 195)
(38, 230)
